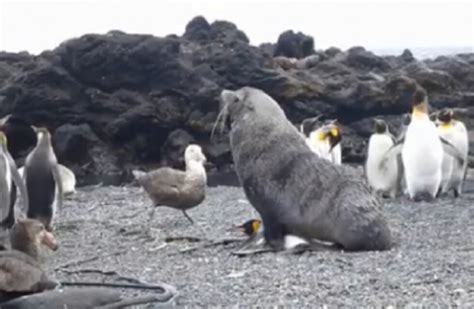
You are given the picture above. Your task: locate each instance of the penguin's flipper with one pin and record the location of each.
(452, 151)
(391, 152)
(255, 244)
(59, 185)
(401, 135)
(19, 182)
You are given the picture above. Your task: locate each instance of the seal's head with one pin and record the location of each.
(251, 103)
(380, 126)
(193, 153)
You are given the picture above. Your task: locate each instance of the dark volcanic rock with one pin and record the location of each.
(174, 147)
(73, 142)
(294, 45)
(118, 101)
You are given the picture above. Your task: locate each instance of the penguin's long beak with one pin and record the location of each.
(34, 129)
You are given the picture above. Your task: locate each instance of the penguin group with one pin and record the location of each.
(427, 159)
(40, 181)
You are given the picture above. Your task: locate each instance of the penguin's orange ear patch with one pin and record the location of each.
(3, 138)
(255, 225)
(319, 135)
(445, 126)
(418, 111)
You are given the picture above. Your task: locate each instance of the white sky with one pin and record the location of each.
(38, 25)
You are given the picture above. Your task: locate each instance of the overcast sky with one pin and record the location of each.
(37, 25)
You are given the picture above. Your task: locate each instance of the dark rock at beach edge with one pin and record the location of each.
(118, 101)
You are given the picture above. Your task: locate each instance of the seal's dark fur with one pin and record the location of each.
(294, 191)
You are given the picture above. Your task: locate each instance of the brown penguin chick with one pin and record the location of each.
(20, 270)
(175, 188)
(250, 227)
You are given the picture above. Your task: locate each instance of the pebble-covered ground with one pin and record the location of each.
(433, 266)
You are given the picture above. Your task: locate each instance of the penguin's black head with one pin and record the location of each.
(309, 125)
(445, 115)
(250, 227)
(419, 102)
(40, 130)
(41, 133)
(380, 126)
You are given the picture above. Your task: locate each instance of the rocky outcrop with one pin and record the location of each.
(118, 101)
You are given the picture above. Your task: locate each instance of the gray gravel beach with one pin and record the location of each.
(433, 264)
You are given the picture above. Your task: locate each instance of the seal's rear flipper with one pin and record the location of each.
(254, 245)
(252, 251)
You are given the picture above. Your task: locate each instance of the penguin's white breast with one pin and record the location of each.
(8, 173)
(422, 150)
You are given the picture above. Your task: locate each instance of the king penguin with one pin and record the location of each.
(405, 121)
(9, 178)
(43, 180)
(336, 136)
(386, 180)
(455, 132)
(422, 151)
(446, 131)
(324, 140)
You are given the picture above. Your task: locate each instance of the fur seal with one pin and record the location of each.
(455, 132)
(386, 180)
(294, 191)
(175, 188)
(9, 180)
(43, 180)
